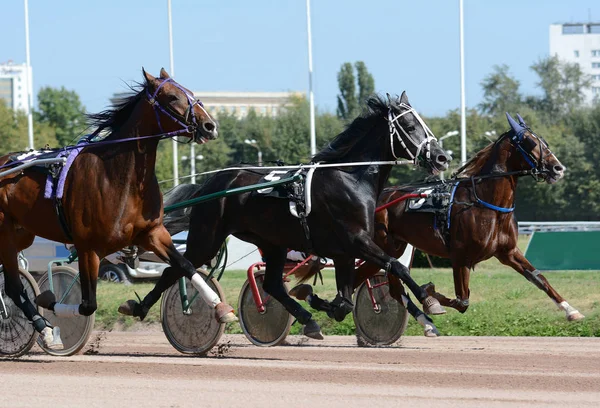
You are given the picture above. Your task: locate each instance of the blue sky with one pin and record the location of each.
(95, 47)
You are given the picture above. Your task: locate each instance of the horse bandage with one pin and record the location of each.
(63, 310)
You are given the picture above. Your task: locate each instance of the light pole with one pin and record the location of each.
(311, 97)
(192, 166)
(254, 144)
(29, 79)
(441, 142)
(172, 67)
(463, 117)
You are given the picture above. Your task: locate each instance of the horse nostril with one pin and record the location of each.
(558, 169)
(209, 126)
(442, 158)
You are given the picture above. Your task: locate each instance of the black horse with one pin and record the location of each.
(341, 224)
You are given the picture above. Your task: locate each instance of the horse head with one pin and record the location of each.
(534, 151)
(177, 110)
(411, 138)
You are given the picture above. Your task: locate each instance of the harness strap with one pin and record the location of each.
(62, 220)
(489, 205)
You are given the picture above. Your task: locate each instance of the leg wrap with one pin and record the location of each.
(209, 295)
(63, 310)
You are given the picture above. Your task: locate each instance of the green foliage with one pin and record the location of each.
(349, 100)
(61, 109)
(13, 132)
(500, 92)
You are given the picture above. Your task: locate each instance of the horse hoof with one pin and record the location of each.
(45, 299)
(431, 332)
(301, 292)
(133, 308)
(573, 317)
(51, 338)
(432, 306)
(224, 313)
(312, 330)
(127, 308)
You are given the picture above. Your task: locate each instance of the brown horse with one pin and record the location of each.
(110, 195)
(481, 220)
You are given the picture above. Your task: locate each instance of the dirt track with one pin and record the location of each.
(133, 369)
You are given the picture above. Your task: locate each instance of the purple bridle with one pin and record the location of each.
(186, 127)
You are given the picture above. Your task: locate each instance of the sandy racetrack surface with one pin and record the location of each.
(132, 369)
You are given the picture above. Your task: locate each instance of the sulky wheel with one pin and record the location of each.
(17, 334)
(195, 330)
(74, 331)
(381, 325)
(267, 328)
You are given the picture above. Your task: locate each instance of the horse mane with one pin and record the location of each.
(481, 162)
(113, 118)
(342, 144)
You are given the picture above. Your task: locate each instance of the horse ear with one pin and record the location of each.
(163, 74)
(389, 98)
(149, 78)
(404, 98)
(521, 121)
(517, 128)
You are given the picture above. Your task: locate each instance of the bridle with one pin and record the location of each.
(538, 165)
(187, 125)
(394, 126)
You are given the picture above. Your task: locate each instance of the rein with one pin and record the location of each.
(186, 128)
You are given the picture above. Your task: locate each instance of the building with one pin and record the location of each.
(13, 86)
(579, 43)
(240, 103)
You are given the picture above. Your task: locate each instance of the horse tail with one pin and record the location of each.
(308, 270)
(179, 220)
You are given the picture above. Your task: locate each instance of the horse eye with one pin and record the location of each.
(410, 128)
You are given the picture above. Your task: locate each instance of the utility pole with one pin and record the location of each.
(29, 79)
(311, 97)
(172, 68)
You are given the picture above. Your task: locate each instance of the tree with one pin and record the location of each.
(61, 109)
(500, 92)
(562, 83)
(349, 100)
(13, 131)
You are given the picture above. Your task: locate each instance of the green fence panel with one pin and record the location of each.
(563, 250)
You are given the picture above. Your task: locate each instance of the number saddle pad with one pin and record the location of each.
(438, 202)
(56, 172)
(295, 191)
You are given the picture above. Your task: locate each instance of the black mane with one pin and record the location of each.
(114, 117)
(339, 147)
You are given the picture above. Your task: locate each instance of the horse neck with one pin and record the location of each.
(375, 146)
(500, 190)
(137, 158)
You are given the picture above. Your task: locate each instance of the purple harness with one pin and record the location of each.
(52, 191)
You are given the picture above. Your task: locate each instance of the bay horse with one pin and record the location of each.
(110, 196)
(341, 224)
(482, 222)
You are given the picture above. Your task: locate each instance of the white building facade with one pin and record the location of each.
(14, 86)
(579, 43)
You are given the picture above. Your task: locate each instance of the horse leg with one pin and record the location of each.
(398, 293)
(515, 259)
(88, 276)
(273, 285)
(15, 290)
(462, 276)
(369, 251)
(159, 241)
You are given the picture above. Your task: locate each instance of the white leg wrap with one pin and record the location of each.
(63, 310)
(569, 310)
(429, 328)
(209, 295)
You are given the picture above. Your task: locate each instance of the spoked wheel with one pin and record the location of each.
(74, 331)
(17, 334)
(382, 324)
(267, 328)
(195, 330)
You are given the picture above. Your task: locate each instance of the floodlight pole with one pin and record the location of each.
(172, 73)
(311, 97)
(463, 119)
(29, 79)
